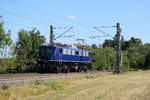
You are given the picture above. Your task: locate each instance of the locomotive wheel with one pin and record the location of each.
(58, 69)
(67, 71)
(40, 68)
(84, 68)
(66, 68)
(76, 68)
(79, 69)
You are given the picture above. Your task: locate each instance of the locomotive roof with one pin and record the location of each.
(65, 47)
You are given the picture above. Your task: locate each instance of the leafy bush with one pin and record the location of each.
(36, 82)
(54, 85)
(4, 87)
(103, 58)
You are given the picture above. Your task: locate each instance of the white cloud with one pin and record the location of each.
(72, 17)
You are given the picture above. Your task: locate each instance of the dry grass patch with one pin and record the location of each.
(125, 86)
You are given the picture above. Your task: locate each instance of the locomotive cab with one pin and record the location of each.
(46, 53)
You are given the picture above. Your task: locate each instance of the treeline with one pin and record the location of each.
(22, 55)
(135, 55)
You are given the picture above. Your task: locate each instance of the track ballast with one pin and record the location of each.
(26, 78)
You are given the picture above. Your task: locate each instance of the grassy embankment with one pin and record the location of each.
(125, 86)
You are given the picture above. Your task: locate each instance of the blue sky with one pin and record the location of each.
(133, 15)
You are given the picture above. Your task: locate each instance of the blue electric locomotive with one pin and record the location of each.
(60, 58)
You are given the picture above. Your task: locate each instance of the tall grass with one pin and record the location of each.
(125, 86)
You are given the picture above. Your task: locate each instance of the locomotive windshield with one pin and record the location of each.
(45, 52)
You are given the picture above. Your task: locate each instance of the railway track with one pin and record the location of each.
(26, 78)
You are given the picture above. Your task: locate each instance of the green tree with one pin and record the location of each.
(104, 58)
(36, 41)
(135, 42)
(109, 53)
(99, 61)
(109, 43)
(5, 40)
(5, 43)
(147, 61)
(137, 55)
(23, 46)
(27, 48)
(94, 46)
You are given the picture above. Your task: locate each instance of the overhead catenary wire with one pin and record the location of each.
(23, 17)
(103, 32)
(12, 23)
(28, 6)
(50, 13)
(20, 16)
(69, 36)
(39, 9)
(106, 26)
(16, 24)
(63, 33)
(92, 37)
